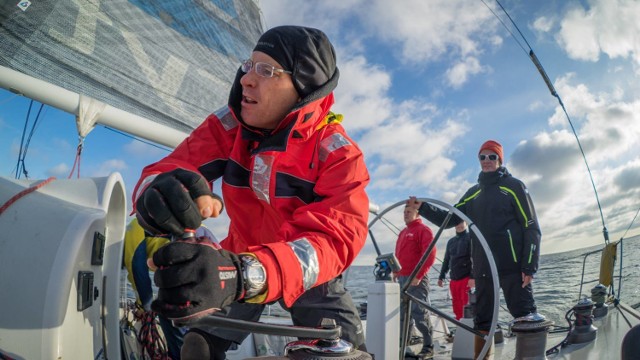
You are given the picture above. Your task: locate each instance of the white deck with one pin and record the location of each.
(607, 345)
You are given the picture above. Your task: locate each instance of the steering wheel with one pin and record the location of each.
(494, 273)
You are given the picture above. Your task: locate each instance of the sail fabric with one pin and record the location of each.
(170, 61)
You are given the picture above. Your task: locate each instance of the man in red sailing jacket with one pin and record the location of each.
(413, 242)
(294, 187)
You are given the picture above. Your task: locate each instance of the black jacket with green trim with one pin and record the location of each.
(500, 206)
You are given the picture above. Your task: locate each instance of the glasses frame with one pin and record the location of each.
(491, 157)
(263, 69)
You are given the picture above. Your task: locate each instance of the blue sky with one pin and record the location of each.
(423, 84)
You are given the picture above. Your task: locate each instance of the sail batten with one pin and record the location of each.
(171, 61)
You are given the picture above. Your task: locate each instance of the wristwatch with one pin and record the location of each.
(255, 277)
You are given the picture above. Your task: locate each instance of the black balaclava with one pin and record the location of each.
(306, 52)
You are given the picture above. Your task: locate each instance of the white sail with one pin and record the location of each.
(168, 61)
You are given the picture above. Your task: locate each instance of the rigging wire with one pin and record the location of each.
(138, 139)
(24, 132)
(26, 146)
(24, 143)
(390, 224)
(632, 221)
(555, 94)
(622, 254)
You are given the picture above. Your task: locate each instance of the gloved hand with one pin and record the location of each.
(195, 278)
(167, 205)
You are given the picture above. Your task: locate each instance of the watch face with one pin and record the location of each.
(255, 274)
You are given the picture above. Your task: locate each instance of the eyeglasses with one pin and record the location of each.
(262, 69)
(492, 157)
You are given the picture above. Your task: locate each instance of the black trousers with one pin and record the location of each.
(329, 300)
(519, 300)
(419, 314)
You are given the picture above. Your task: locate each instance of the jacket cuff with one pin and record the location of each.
(528, 271)
(274, 275)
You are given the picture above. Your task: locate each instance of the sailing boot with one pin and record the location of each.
(426, 353)
(478, 343)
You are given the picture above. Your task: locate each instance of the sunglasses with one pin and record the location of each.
(262, 69)
(492, 157)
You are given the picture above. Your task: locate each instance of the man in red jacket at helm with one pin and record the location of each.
(294, 188)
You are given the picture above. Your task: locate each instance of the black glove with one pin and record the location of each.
(167, 205)
(195, 279)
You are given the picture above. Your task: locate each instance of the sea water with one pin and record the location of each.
(556, 285)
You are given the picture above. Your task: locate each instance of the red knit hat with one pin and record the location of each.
(494, 146)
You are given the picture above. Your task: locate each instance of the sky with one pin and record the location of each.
(422, 85)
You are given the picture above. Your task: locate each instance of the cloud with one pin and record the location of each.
(543, 24)
(415, 31)
(608, 125)
(412, 151)
(429, 30)
(362, 94)
(627, 177)
(552, 166)
(608, 26)
(109, 166)
(60, 171)
(459, 73)
(143, 150)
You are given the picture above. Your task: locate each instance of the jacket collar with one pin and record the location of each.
(487, 178)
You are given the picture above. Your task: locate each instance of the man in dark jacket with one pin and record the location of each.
(457, 257)
(500, 206)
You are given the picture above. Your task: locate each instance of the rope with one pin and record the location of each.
(149, 337)
(583, 318)
(620, 309)
(23, 193)
(565, 341)
(77, 159)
